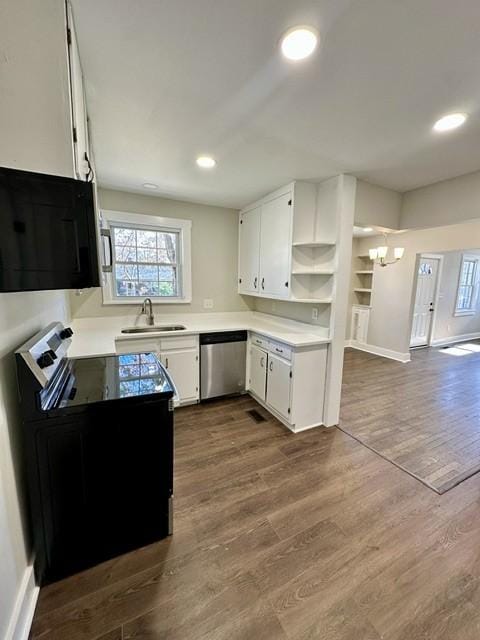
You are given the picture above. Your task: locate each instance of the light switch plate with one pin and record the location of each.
(208, 303)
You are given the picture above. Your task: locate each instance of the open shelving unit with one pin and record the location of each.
(362, 280)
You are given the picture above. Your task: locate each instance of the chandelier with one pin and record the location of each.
(379, 255)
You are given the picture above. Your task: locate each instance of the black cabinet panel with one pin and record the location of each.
(100, 484)
(47, 238)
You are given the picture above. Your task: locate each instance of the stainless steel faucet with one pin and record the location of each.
(150, 318)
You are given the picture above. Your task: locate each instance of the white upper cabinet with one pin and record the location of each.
(275, 246)
(79, 108)
(249, 256)
(287, 244)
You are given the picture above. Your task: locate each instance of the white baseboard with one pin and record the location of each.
(379, 351)
(25, 603)
(440, 342)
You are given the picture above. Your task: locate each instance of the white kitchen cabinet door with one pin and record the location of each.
(258, 372)
(276, 246)
(278, 385)
(79, 109)
(183, 368)
(249, 251)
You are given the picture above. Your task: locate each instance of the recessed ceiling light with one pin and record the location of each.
(206, 162)
(150, 185)
(299, 43)
(450, 121)
(367, 229)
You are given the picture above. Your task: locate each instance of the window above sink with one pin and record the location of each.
(145, 257)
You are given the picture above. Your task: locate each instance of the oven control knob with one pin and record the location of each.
(52, 353)
(45, 360)
(66, 333)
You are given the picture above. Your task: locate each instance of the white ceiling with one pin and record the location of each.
(170, 79)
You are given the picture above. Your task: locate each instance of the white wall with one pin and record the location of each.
(392, 297)
(214, 256)
(377, 206)
(447, 324)
(34, 135)
(447, 202)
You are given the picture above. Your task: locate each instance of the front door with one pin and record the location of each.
(424, 301)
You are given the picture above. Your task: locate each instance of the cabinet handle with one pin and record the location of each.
(262, 361)
(271, 365)
(278, 350)
(263, 283)
(255, 282)
(166, 363)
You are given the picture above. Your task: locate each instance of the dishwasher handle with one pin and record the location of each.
(220, 337)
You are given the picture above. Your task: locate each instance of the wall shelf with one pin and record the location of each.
(313, 272)
(312, 245)
(313, 300)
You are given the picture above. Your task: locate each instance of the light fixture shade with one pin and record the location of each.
(398, 252)
(373, 253)
(382, 252)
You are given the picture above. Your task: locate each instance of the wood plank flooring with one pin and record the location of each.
(424, 416)
(284, 537)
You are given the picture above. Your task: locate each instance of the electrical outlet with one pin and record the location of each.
(208, 303)
(314, 313)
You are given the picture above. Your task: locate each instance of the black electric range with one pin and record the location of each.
(98, 436)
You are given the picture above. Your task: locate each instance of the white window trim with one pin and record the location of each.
(473, 309)
(183, 227)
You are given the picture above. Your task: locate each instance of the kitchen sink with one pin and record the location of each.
(155, 329)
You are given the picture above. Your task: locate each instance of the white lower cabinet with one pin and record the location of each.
(289, 382)
(183, 369)
(278, 385)
(258, 372)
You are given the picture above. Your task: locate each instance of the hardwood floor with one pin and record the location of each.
(423, 416)
(284, 537)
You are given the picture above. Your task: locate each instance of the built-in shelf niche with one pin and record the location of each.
(317, 258)
(362, 280)
(312, 287)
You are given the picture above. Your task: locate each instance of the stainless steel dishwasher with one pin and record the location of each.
(222, 363)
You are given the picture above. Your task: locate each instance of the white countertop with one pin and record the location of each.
(97, 336)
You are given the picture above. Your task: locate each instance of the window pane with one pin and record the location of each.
(147, 239)
(147, 272)
(147, 255)
(126, 271)
(123, 236)
(167, 289)
(125, 253)
(166, 273)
